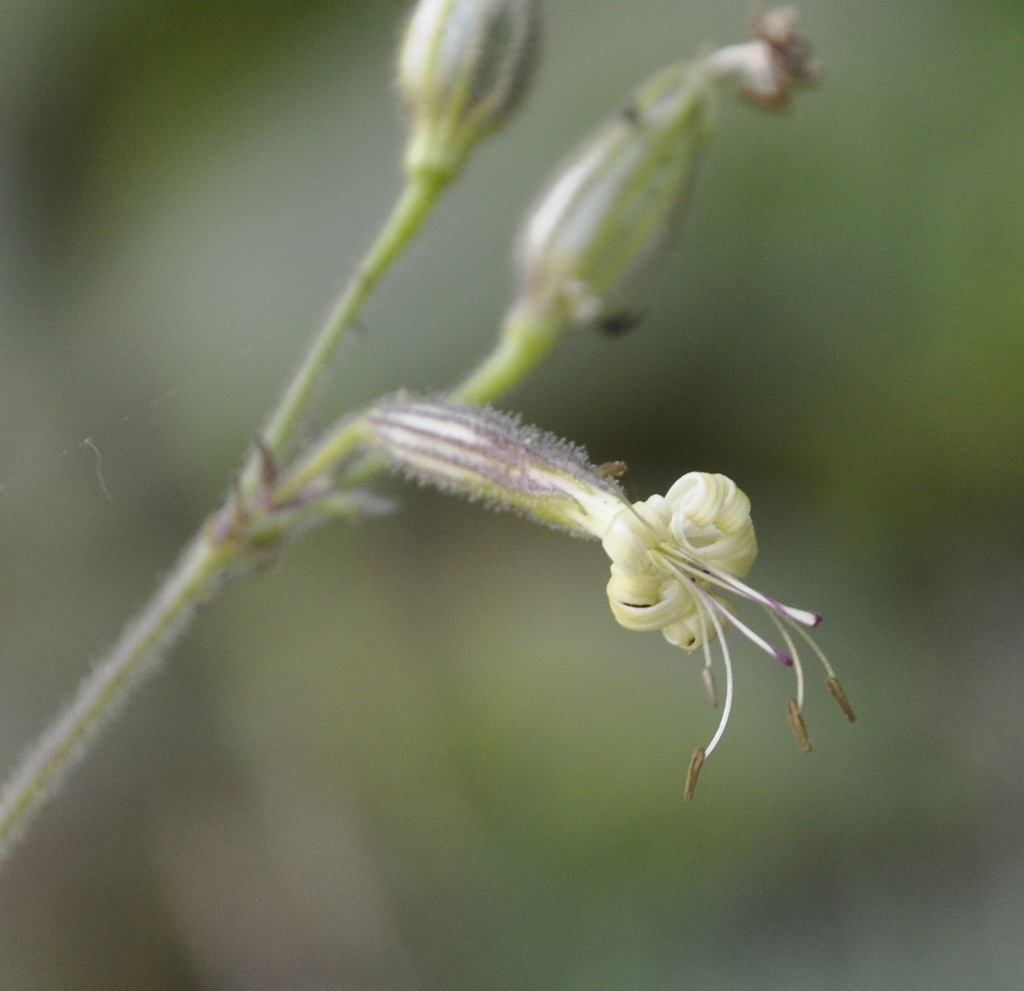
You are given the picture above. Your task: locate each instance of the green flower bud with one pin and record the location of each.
(463, 70)
(591, 245)
(593, 239)
(592, 242)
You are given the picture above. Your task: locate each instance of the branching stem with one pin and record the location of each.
(219, 543)
(418, 197)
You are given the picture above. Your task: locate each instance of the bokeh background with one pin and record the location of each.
(419, 754)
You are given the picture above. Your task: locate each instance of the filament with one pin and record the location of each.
(727, 661)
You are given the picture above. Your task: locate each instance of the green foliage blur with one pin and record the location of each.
(419, 753)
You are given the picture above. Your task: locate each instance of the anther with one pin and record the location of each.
(612, 469)
(840, 696)
(796, 722)
(696, 761)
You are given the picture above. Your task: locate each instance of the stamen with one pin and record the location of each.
(696, 761)
(796, 722)
(813, 644)
(727, 662)
(729, 583)
(612, 469)
(803, 617)
(709, 683)
(798, 668)
(752, 635)
(708, 674)
(840, 696)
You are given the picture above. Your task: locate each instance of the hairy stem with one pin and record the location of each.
(524, 342)
(207, 558)
(407, 216)
(137, 653)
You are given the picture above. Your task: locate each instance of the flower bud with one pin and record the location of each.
(464, 68)
(593, 239)
(591, 244)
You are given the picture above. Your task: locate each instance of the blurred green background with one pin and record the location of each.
(419, 753)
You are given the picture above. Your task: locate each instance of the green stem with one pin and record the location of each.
(207, 557)
(525, 341)
(321, 459)
(137, 654)
(419, 196)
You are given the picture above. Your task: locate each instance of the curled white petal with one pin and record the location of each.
(646, 602)
(711, 517)
(692, 631)
(634, 532)
(667, 551)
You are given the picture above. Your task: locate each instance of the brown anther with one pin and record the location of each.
(709, 683)
(612, 469)
(796, 722)
(840, 696)
(696, 762)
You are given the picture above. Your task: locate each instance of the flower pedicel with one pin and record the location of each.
(677, 561)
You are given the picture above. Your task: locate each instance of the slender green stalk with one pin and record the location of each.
(322, 458)
(524, 342)
(138, 653)
(210, 553)
(419, 196)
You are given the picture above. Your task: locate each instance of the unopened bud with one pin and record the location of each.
(592, 242)
(591, 245)
(593, 239)
(464, 68)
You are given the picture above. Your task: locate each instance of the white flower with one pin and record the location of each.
(678, 560)
(675, 558)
